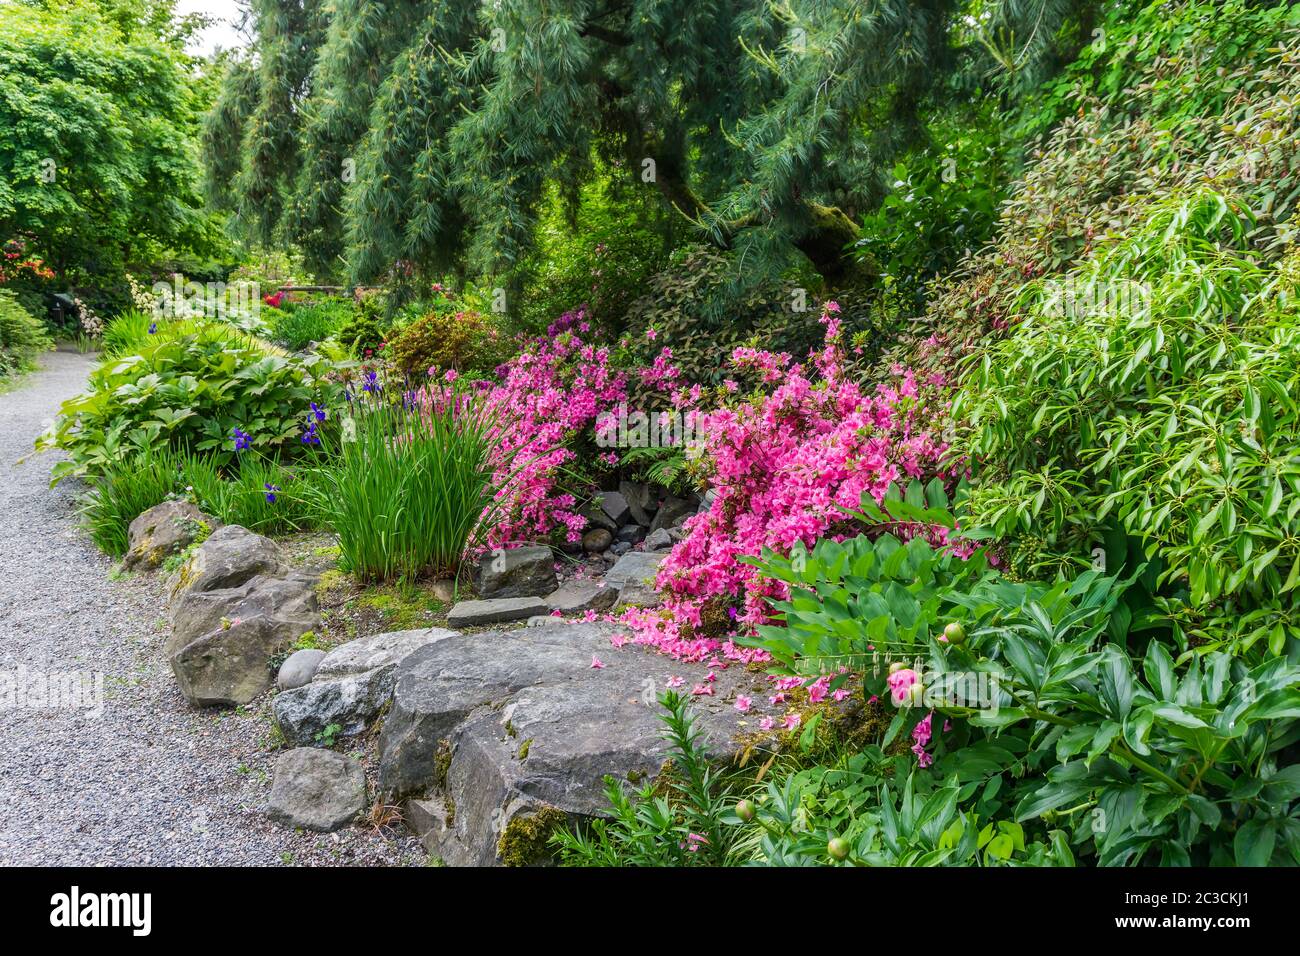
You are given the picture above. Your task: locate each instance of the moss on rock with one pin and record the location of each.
(526, 839)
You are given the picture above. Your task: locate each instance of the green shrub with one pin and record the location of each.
(22, 337)
(683, 308)
(405, 491)
(308, 322)
(189, 393)
(600, 255)
(363, 335)
(1149, 396)
(444, 338)
(941, 207)
(1171, 98)
(123, 490)
(1137, 758)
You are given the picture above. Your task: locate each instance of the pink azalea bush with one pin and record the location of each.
(545, 397)
(782, 466)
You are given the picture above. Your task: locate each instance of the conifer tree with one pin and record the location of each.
(767, 125)
(289, 32)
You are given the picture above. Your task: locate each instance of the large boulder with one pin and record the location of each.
(346, 703)
(223, 642)
(235, 608)
(164, 530)
(351, 687)
(517, 572)
(379, 651)
(228, 558)
(513, 732)
(317, 790)
(288, 605)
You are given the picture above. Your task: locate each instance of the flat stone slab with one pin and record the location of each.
(317, 790)
(635, 567)
(495, 611)
(578, 596)
(515, 730)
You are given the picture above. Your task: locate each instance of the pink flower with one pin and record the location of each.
(618, 640)
(596, 663)
(651, 334)
(702, 690)
(818, 689)
(743, 703)
(767, 723)
(674, 682)
(782, 467)
(922, 732)
(792, 720)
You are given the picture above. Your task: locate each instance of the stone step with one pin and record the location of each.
(495, 611)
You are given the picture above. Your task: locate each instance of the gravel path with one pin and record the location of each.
(150, 780)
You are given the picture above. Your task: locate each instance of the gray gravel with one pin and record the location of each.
(151, 780)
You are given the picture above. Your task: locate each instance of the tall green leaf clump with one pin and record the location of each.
(189, 387)
(407, 490)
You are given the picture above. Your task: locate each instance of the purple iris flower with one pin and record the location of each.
(270, 492)
(317, 412)
(241, 439)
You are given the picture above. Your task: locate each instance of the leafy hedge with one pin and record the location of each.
(22, 337)
(1156, 399)
(190, 393)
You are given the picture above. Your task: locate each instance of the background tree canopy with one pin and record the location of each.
(100, 110)
(436, 134)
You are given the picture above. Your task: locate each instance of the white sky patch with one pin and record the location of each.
(224, 32)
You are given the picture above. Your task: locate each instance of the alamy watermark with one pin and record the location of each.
(180, 299)
(23, 689)
(1077, 298)
(656, 429)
